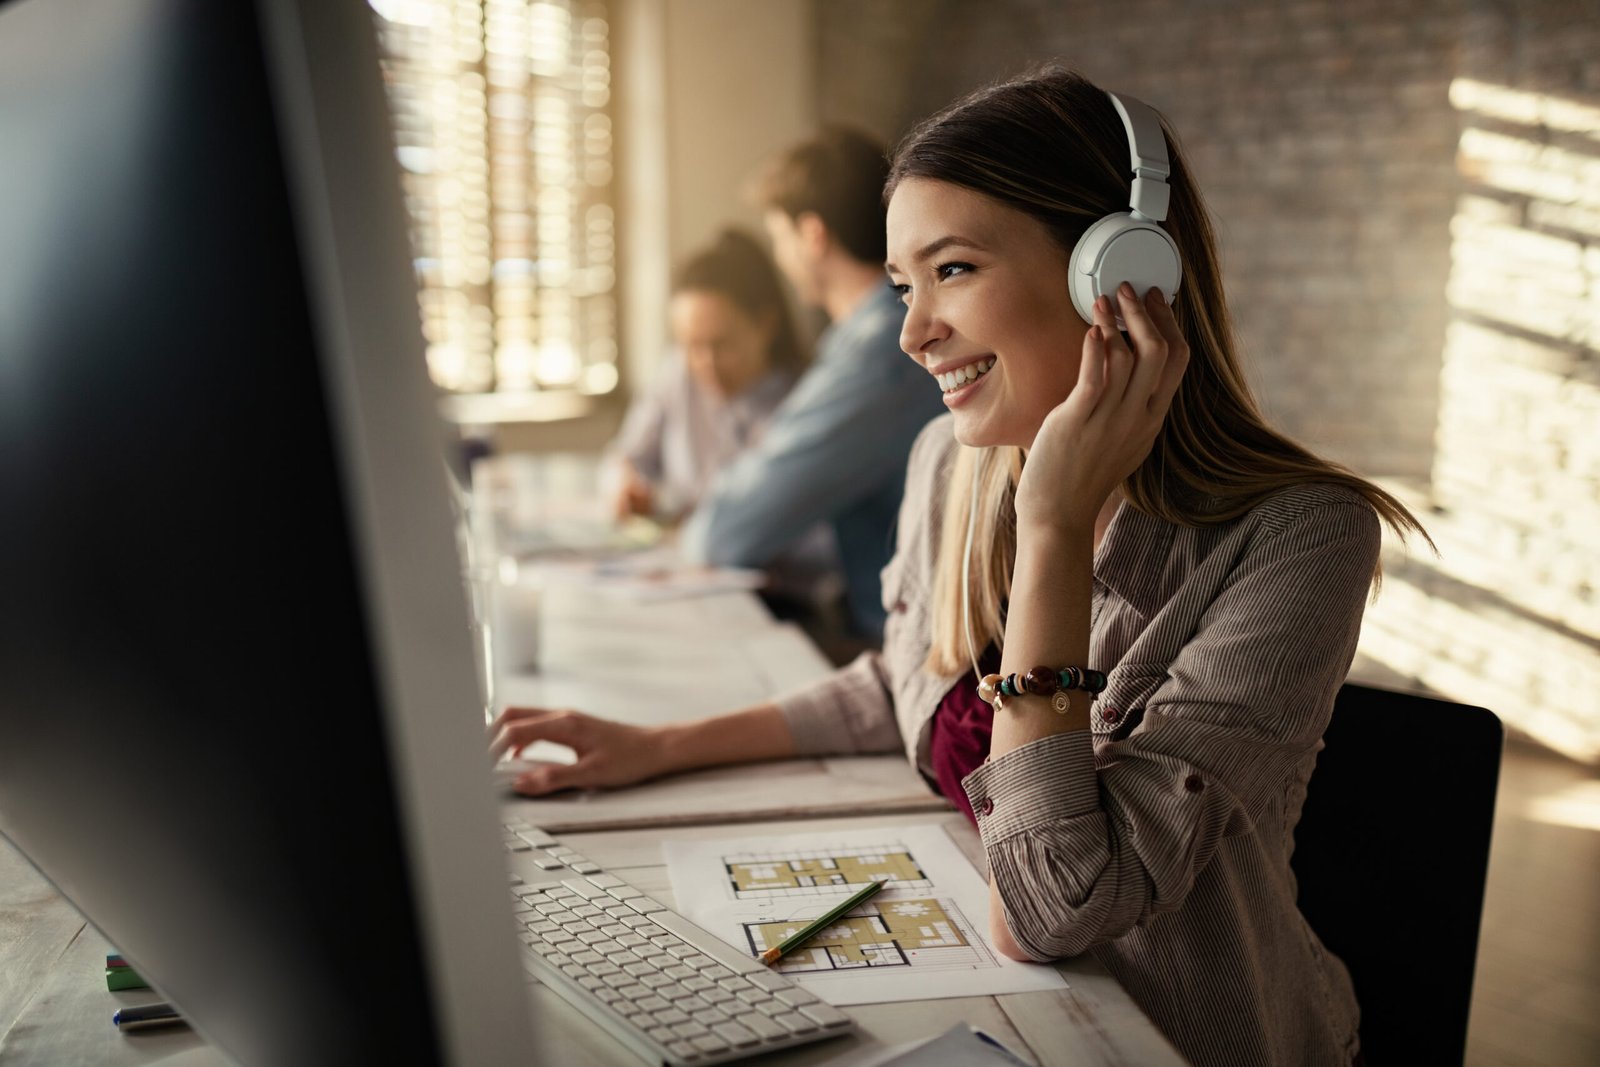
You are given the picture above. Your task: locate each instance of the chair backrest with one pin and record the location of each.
(1391, 855)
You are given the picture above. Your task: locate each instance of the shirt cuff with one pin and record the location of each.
(1044, 781)
(846, 712)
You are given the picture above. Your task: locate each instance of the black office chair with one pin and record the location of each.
(1391, 855)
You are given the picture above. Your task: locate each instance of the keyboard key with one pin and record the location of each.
(710, 1043)
(795, 997)
(734, 1034)
(582, 887)
(604, 881)
(669, 1016)
(685, 1051)
(654, 1004)
(825, 1015)
(584, 867)
(763, 1026)
(642, 905)
(624, 892)
(768, 980)
(690, 1030)
(795, 1023)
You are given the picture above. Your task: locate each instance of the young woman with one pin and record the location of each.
(1134, 516)
(736, 357)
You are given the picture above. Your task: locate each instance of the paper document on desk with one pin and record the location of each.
(647, 576)
(919, 939)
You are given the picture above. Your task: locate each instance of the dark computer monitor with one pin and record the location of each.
(238, 722)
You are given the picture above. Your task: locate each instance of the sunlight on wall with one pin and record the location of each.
(1509, 616)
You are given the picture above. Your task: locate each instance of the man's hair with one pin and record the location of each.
(838, 175)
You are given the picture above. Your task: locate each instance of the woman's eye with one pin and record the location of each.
(900, 290)
(950, 270)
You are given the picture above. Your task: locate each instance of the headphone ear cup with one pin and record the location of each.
(1120, 248)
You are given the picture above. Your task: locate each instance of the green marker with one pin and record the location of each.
(816, 926)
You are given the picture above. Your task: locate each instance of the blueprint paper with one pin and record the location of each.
(919, 938)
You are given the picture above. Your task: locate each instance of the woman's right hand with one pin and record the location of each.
(609, 753)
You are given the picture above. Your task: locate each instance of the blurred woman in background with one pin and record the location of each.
(735, 357)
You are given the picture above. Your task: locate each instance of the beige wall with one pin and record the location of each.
(708, 89)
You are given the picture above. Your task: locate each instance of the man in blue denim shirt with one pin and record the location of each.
(835, 451)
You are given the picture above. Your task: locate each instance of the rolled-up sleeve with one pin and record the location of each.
(849, 712)
(1083, 843)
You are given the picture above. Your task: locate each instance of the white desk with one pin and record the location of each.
(648, 663)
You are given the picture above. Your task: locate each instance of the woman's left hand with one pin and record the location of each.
(1095, 438)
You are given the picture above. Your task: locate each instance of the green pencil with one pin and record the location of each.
(815, 926)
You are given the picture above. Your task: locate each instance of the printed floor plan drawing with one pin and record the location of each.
(921, 937)
(782, 874)
(890, 933)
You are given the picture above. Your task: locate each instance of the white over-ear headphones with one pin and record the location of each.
(1130, 246)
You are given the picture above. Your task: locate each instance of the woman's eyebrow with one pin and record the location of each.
(935, 247)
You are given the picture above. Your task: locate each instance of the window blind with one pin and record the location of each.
(503, 128)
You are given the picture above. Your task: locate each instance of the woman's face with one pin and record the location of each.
(985, 289)
(726, 349)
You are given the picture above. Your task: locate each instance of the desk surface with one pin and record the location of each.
(55, 1009)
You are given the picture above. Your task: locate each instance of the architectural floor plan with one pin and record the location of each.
(914, 939)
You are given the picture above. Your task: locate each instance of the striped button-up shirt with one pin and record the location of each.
(1158, 840)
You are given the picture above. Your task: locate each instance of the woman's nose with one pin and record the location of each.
(921, 328)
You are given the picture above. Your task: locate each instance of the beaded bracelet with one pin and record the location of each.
(1041, 681)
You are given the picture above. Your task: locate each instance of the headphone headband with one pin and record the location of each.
(1147, 158)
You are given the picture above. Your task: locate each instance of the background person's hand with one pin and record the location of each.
(609, 753)
(635, 496)
(1103, 430)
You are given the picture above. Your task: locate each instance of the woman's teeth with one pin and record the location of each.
(962, 375)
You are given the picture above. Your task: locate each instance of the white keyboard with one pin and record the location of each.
(661, 985)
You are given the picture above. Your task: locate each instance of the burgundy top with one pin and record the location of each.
(958, 741)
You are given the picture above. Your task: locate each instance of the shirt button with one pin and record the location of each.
(986, 806)
(1194, 783)
(1110, 714)
(899, 606)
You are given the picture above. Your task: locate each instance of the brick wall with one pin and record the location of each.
(1509, 615)
(1321, 134)
(1408, 199)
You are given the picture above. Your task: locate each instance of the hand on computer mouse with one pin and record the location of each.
(609, 753)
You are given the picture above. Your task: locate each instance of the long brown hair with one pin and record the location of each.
(1050, 144)
(737, 267)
